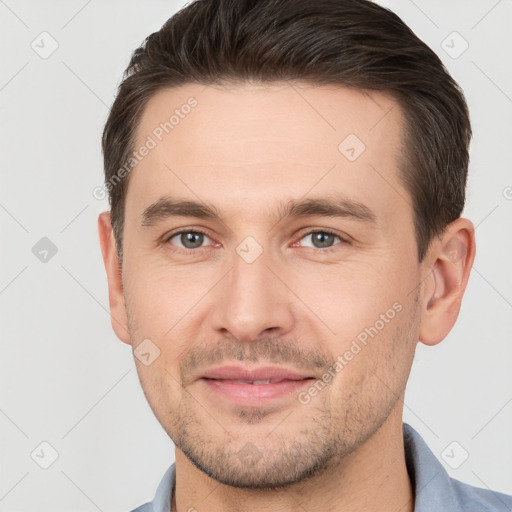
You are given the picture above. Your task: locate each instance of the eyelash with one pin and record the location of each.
(200, 232)
(328, 232)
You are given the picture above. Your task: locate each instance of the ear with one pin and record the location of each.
(118, 314)
(448, 264)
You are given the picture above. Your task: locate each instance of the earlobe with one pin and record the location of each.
(118, 314)
(450, 260)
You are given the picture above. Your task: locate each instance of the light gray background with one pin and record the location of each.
(67, 380)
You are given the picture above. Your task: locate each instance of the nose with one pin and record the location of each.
(253, 303)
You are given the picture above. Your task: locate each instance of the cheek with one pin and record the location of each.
(161, 388)
(374, 364)
(349, 297)
(165, 306)
(160, 298)
(368, 313)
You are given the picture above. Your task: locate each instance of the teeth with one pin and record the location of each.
(255, 382)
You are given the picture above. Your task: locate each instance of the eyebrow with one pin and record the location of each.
(327, 207)
(341, 207)
(166, 207)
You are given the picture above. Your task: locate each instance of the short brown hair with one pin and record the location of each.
(353, 43)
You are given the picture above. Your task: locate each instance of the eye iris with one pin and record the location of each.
(322, 239)
(192, 240)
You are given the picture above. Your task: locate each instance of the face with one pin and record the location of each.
(270, 262)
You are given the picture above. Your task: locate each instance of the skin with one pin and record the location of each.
(246, 149)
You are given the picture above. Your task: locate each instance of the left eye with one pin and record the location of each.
(321, 239)
(189, 239)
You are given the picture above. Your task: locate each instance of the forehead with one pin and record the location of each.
(254, 140)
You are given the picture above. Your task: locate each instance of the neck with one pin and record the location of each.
(374, 476)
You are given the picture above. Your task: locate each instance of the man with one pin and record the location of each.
(286, 180)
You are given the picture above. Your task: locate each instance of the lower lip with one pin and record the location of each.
(255, 394)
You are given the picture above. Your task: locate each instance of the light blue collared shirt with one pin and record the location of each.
(434, 489)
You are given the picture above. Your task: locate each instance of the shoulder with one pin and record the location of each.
(436, 490)
(475, 499)
(162, 500)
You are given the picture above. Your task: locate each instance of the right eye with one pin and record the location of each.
(188, 239)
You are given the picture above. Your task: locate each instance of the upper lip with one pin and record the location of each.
(233, 372)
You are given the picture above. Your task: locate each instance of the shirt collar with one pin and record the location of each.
(162, 499)
(431, 483)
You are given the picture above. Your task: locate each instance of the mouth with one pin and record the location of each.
(255, 382)
(254, 387)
